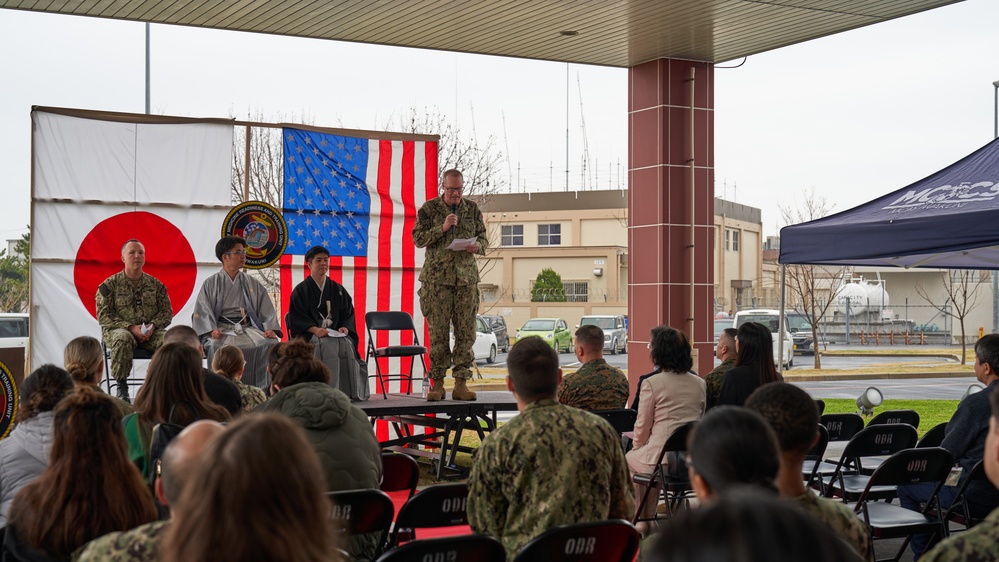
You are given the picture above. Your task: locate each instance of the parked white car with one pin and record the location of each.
(769, 319)
(485, 341)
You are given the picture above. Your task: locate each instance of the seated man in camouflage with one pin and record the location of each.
(981, 542)
(595, 385)
(133, 310)
(726, 353)
(792, 413)
(142, 544)
(551, 465)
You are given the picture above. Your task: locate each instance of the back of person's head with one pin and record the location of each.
(42, 390)
(175, 378)
(670, 350)
(268, 497)
(748, 526)
(591, 338)
(727, 338)
(182, 334)
(228, 361)
(90, 487)
(293, 362)
(756, 350)
(790, 411)
(731, 447)
(533, 368)
(83, 359)
(987, 351)
(180, 456)
(226, 244)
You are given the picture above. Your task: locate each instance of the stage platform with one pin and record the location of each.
(445, 421)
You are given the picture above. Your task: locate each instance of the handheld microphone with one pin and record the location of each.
(454, 211)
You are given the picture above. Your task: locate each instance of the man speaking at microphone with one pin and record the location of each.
(449, 292)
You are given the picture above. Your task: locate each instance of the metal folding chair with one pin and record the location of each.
(394, 321)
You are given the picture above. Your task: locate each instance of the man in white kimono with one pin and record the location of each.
(322, 312)
(234, 309)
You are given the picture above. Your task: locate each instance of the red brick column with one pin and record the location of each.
(659, 210)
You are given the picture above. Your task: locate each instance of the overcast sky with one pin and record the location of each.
(853, 116)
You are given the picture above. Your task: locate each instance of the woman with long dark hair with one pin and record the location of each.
(174, 382)
(669, 399)
(754, 366)
(268, 499)
(89, 488)
(24, 454)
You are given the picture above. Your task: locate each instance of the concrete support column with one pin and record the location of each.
(666, 171)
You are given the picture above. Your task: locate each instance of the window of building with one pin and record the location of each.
(731, 240)
(576, 291)
(512, 235)
(735, 240)
(728, 240)
(549, 235)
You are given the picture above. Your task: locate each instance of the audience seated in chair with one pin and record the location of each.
(551, 465)
(217, 388)
(173, 384)
(24, 454)
(83, 359)
(981, 542)
(338, 431)
(669, 399)
(596, 385)
(726, 353)
(229, 363)
(749, 525)
(268, 499)
(793, 415)
(754, 365)
(143, 543)
(964, 437)
(88, 490)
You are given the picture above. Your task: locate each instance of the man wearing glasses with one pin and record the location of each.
(449, 291)
(234, 309)
(133, 310)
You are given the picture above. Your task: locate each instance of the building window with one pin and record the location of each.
(512, 235)
(728, 240)
(735, 240)
(731, 240)
(576, 291)
(549, 235)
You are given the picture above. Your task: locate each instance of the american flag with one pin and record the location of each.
(358, 197)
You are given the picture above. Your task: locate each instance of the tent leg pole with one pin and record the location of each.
(780, 319)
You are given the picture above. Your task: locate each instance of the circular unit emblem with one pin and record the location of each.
(8, 401)
(264, 230)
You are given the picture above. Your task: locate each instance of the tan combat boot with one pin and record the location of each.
(436, 393)
(461, 391)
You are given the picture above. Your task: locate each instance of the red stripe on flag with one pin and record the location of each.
(408, 249)
(431, 188)
(286, 288)
(383, 257)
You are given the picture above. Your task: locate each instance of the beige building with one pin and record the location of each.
(583, 236)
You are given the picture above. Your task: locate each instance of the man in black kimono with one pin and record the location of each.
(322, 312)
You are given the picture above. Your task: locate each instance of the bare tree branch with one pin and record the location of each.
(960, 296)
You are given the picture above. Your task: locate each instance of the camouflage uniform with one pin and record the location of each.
(838, 516)
(449, 292)
(141, 544)
(713, 382)
(250, 396)
(595, 386)
(978, 544)
(120, 304)
(551, 465)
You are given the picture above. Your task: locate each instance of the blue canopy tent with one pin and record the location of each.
(948, 220)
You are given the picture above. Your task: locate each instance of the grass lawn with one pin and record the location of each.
(931, 412)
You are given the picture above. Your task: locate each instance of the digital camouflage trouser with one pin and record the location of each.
(443, 306)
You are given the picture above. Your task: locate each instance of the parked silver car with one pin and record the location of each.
(615, 331)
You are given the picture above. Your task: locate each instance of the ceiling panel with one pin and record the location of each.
(618, 33)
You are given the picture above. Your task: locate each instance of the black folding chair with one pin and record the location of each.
(877, 440)
(358, 512)
(959, 511)
(810, 469)
(821, 405)
(840, 427)
(675, 488)
(481, 548)
(440, 505)
(911, 466)
(399, 473)
(394, 321)
(933, 437)
(621, 419)
(615, 540)
(910, 417)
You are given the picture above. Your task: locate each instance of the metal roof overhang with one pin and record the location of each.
(617, 33)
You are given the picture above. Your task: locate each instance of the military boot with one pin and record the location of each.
(436, 391)
(123, 391)
(461, 391)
